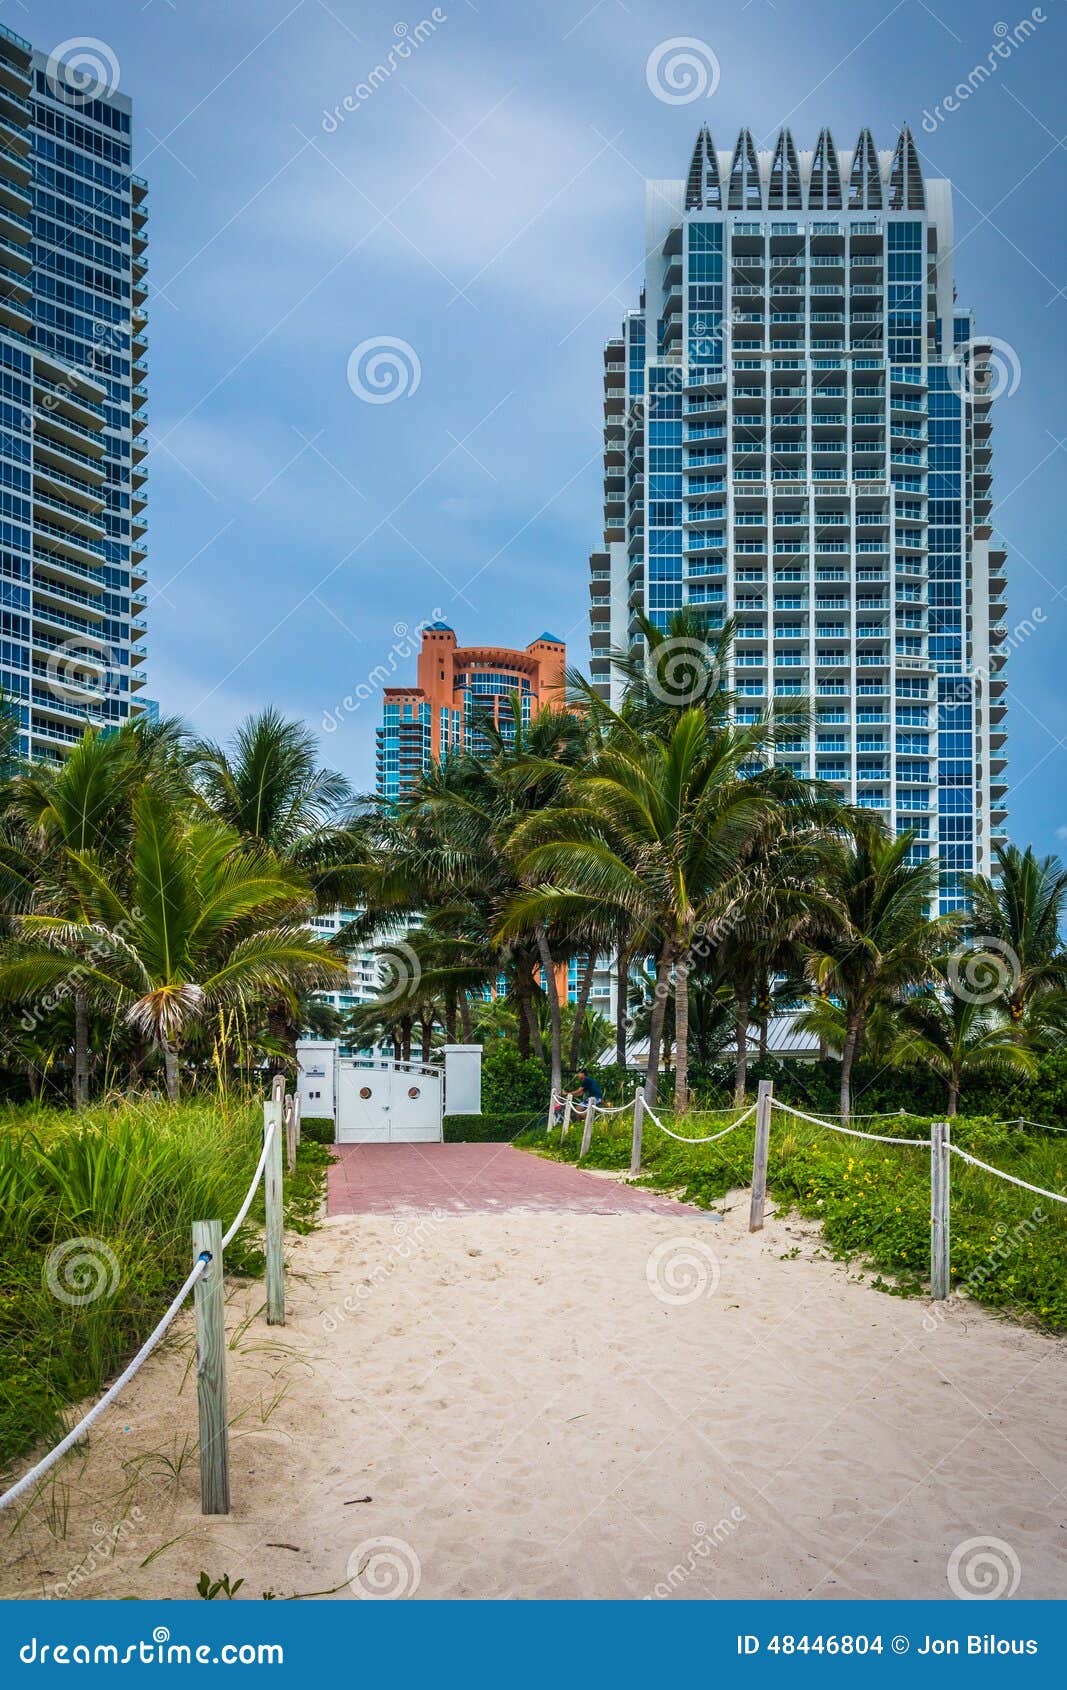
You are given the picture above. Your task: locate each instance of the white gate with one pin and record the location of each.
(385, 1102)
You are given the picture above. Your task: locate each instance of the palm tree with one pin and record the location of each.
(653, 832)
(955, 1036)
(267, 786)
(886, 940)
(59, 811)
(195, 924)
(1017, 917)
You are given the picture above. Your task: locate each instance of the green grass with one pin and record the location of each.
(1009, 1248)
(131, 1179)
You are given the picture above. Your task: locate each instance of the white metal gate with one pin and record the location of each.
(384, 1102)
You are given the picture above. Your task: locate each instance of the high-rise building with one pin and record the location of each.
(72, 419)
(456, 688)
(797, 435)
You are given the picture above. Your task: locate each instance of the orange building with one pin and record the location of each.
(455, 688)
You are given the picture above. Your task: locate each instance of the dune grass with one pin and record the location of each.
(97, 1211)
(1009, 1248)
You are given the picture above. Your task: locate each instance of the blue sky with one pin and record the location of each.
(485, 206)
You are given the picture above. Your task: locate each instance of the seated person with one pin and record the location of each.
(589, 1091)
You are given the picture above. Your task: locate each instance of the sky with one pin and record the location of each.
(378, 306)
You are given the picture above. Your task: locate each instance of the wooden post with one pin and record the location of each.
(272, 1190)
(759, 1155)
(209, 1303)
(639, 1124)
(296, 1120)
(290, 1133)
(587, 1133)
(568, 1109)
(940, 1138)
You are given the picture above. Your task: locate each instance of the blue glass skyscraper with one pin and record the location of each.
(72, 420)
(797, 435)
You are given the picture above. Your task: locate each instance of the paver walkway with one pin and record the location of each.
(379, 1179)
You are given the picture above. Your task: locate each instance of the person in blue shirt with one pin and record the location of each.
(589, 1091)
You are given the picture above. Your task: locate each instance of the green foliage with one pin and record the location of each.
(511, 1081)
(319, 1129)
(491, 1129)
(128, 1183)
(1009, 1248)
(208, 1588)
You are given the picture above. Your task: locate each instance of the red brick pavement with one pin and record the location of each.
(378, 1179)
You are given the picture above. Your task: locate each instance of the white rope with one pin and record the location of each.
(257, 1176)
(874, 1138)
(712, 1137)
(1021, 1121)
(49, 1461)
(109, 1395)
(1038, 1190)
(619, 1108)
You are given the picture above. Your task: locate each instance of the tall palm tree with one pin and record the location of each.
(955, 1036)
(885, 940)
(60, 810)
(195, 924)
(652, 831)
(268, 787)
(1021, 911)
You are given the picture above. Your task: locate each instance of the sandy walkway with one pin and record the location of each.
(530, 1409)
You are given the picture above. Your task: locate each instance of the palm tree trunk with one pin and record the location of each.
(585, 986)
(953, 1090)
(405, 1037)
(681, 1038)
(655, 1026)
(465, 1017)
(854, 1028)
(741, 1007)
(555, 1020)
(170, 1070)
(81, 1048)
(450, 1015)
(427, 1035)
(622, 970)
(763, 1006)
(282, 1031)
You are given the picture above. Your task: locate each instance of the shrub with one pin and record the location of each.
(123, 1185)
(497, 1128)
(320, 1129)
(512, 1082)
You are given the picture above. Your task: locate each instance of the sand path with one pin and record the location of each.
(483, 1401)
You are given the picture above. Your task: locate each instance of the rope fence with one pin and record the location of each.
(939, 1144)
(206, 1281)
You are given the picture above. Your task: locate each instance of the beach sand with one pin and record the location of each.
(537, 1404)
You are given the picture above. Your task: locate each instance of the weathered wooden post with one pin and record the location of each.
(210, 1306)
(940, 1185)
(272, 1191)
(568, 1109)
(759, 1155)
(639, 1125)
(587, 1132)
(289, 1109)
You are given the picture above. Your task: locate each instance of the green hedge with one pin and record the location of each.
(490, 1129)
(318, 1128)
